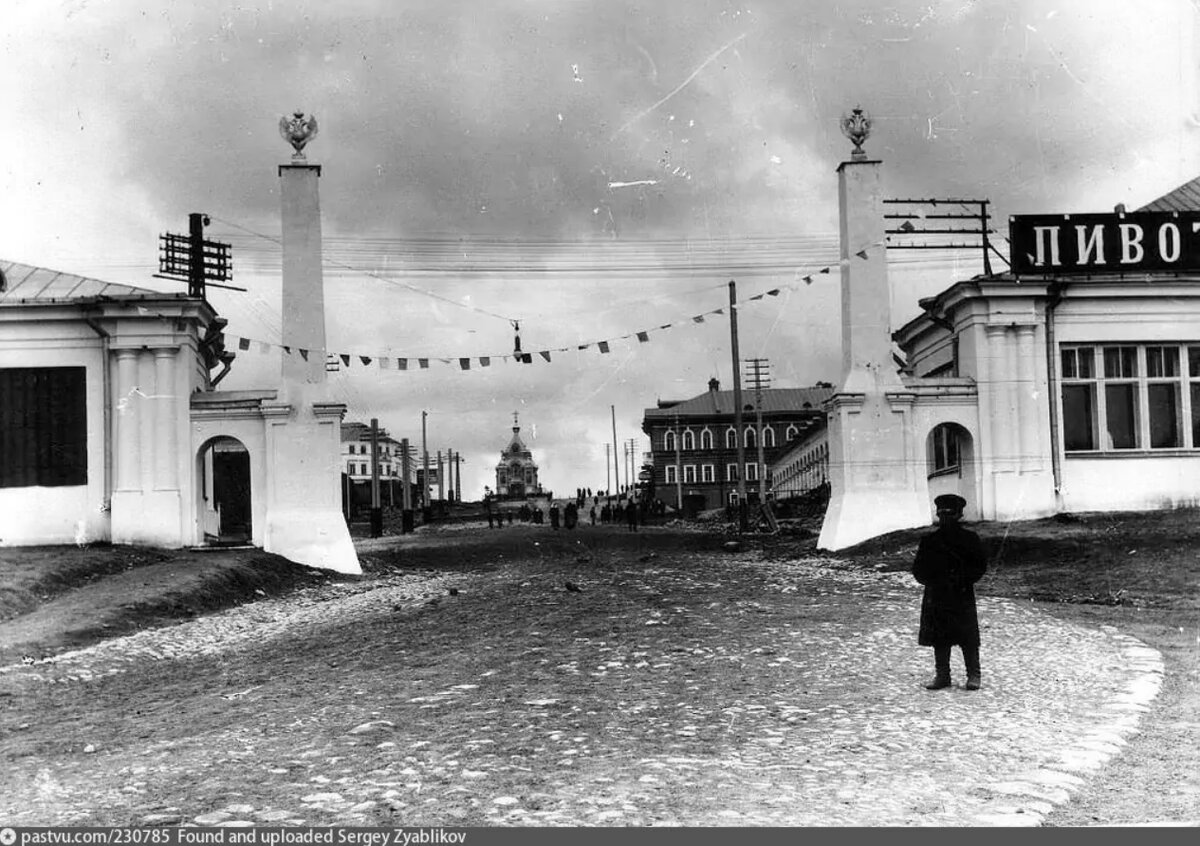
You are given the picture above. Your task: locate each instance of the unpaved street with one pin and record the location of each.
(592, 677)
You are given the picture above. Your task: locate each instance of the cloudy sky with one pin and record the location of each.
(589, 170)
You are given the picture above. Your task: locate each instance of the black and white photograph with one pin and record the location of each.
(431, 422)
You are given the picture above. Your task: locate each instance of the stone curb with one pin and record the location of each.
(1026, 800)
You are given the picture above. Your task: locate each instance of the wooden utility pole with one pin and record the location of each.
(737, 408)
(607, 471)
(457, 477)
(425, 507)
(758, 376)
(376, 508)
(678, 467)
(616, 467)
(406, 519)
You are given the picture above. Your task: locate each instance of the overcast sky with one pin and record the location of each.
(590, 170)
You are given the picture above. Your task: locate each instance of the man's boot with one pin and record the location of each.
(941, 661)
(971, 659)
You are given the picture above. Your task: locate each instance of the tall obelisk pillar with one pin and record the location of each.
(304, 513)
(875, 486)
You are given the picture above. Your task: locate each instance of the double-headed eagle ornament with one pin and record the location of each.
(857, 127)
(298, 130)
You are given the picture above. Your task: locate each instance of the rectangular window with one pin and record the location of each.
(689, 473)
(1141, 397)
(708, 473)
(1121, 417)
(1079, 419)
(751, 472)
(672, 476)
(731, 472)
(43, 427)
(350, 467)
(363, 469)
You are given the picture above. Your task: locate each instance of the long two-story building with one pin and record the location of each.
(694, 442)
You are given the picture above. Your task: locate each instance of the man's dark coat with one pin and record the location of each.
(949, 562)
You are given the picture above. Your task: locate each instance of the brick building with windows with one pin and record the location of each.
(694, 442)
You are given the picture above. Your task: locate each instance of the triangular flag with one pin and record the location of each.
(862, 254)
(464, 363)
(665, 326)
(699, 318)
(824, 269)
(545, 354)
(774, 292)
(485, 361)
(757, 296)
(304, 354)
(243, 343)
(402, 364)
(365, 359)
(643, 336)
(603, 345)
(718, 311)
(345, 359)
(807, 280)
(424, 362)
(584, 346)
(287, 350)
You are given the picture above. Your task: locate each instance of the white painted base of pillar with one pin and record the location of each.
(314, 537)
(143, 518)
(857, 516)
(1022, 496)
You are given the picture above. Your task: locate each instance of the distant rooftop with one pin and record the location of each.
(721, 402)
(1184, 198)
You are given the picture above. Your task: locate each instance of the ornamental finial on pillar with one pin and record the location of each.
(857, 127)
(298, 130)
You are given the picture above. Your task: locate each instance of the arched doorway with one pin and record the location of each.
(950, 459)
(225, 501)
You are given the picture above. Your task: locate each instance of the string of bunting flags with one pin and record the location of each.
(336, 361)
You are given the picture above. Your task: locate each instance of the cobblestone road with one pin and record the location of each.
(1059, 700)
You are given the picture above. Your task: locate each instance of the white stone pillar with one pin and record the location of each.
(1028, 409)
(144, 406)
(166, 404)
(1012, 399)
(303, 282)
(998, 381)
(128, 466)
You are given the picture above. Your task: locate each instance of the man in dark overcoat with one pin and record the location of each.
(949, 562)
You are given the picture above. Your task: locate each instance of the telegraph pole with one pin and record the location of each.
(376, 508)
(737, 408)
(758, 378)
(457, 477)
(406, 518)
(607, 471)
(678, 468)
(426, 510)
(616, 467)
(633, 465)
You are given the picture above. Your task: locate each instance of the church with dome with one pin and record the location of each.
(517, 474)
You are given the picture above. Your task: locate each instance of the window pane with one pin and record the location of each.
(1121, 401)
(1162, 362)
(1194, 362)
(1196, 414)
(1079, 417)
(1084, 357)
(1120, 362)
(1069, 370)
(1164, 416)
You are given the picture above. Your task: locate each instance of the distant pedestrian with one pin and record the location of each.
(631, 515)
(571, 515)
(554, 515)
(592, 515)
(949, 562)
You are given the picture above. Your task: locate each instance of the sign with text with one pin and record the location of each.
(1139, 242)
